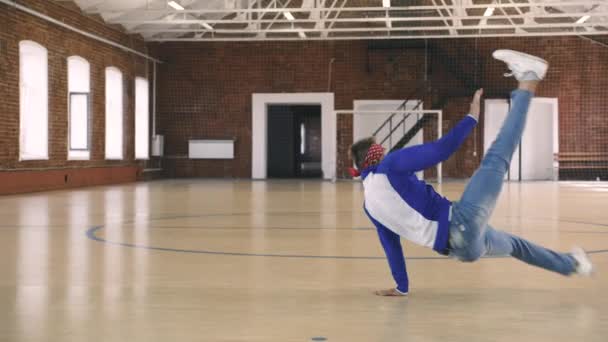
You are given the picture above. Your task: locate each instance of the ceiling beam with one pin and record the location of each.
(439, 10)
(504, 13)
(396, 36)
(382, 29)
(337, 14)
(275, 18)
(365, 20)
(265, 20)
(544, 3)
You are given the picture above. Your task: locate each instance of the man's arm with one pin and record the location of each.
(391, 243)
(423, 156)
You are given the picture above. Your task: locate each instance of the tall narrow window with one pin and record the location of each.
(302, 139)
(142, 117)
(33, 102)
(78, 108)
(114, 114)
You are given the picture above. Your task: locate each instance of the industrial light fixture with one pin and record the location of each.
(386, 3)
(289, 16)
(583, 19)
(176, 5)
(489, 11)
(207, 26)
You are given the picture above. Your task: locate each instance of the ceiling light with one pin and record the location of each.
(583, 19)
(489, 11)
(386, 3)
(175, 5)
(207, 26)
(289, 16)
(302, 34)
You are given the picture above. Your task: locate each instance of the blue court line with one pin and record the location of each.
(317, 213)
(92, 234)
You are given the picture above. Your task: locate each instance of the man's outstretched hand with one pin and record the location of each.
(476, 104)
(389, 293)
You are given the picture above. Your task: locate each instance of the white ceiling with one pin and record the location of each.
(350, 19)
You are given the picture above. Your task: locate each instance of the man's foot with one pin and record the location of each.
(584, 266)
(523, 67)
(390, 293)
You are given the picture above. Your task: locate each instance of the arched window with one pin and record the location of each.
(79, 78)
(33, 102)
(114, 114)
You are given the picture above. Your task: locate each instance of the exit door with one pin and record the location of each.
(294, 141)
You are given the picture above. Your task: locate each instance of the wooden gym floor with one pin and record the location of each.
(190, 260)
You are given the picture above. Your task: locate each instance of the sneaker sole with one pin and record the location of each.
(518, 54)
(506, 55)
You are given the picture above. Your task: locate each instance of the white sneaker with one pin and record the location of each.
(523, 67)
(584, 266)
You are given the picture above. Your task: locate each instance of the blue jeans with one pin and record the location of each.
(470, 235)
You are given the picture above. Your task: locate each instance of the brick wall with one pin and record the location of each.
(205, 89)
(61, 43)
(578, 77)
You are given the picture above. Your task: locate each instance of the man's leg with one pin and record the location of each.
(499, 243)
(470, 236)
(470, 215)
(479, 198)
(472, 212)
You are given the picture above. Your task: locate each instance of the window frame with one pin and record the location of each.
(76, 89)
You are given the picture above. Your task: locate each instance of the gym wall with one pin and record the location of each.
(57, 172)
(205, 89)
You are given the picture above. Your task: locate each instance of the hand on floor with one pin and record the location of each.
(390, 293)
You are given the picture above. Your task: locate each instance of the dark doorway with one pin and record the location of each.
(294, 141)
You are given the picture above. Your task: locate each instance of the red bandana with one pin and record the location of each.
(373, 156)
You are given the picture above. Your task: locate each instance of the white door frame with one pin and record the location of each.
(259, 127)
(555, 102)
